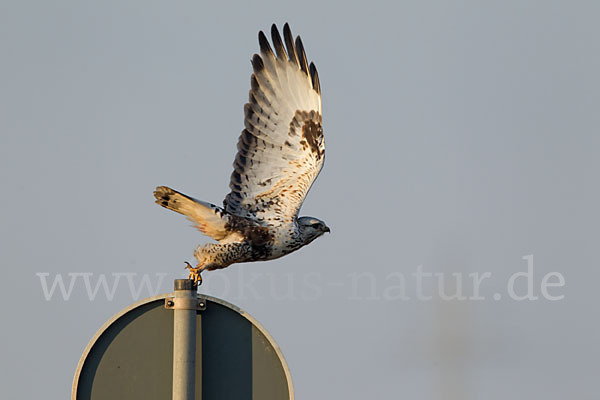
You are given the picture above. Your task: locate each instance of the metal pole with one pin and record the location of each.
(184, 340)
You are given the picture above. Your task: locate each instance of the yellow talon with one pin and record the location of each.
(194, 274)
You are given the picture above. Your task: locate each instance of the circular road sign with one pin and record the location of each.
(131, 356)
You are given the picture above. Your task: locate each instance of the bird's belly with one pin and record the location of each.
(282, 248)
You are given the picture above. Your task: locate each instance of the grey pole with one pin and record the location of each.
(184, 340)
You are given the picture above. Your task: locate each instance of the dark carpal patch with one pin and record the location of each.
(313, 133)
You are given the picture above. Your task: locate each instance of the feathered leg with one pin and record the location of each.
(216, 255)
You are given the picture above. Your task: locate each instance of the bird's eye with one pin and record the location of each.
(316, 225)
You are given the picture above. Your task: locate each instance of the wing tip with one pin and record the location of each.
(257, 63)
(301, 55)
(265, 47)
(287, 49)
(314, 77)
(278, 43)
(289, 42)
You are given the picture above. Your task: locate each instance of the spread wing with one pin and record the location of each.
(281, 150)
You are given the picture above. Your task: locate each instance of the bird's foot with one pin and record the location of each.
(194, 274)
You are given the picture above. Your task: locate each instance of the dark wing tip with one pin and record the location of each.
(314, 76)
(265, 47)
(257, 63)
(301, 55)
(279, 49)
(295, 53)
(289, 43)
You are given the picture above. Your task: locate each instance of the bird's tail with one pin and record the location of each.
(207, 217)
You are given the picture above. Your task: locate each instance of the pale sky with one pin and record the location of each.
(462, 138)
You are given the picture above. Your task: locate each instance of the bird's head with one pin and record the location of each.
(311, 228)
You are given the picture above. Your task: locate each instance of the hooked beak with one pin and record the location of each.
(326, 229)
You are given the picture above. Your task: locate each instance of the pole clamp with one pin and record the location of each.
(183, 303)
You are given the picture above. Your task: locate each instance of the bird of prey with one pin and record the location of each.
(280, 153)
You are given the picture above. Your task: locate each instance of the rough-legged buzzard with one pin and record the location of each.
(280, 153)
